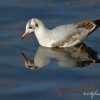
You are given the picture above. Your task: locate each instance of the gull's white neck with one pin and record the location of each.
(42, 34)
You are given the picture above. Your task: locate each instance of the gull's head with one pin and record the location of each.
(31, 26)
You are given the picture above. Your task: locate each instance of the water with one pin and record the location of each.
(57, 74)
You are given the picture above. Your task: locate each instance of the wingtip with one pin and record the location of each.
(97, 22)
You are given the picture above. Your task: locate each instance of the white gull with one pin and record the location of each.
(61, 36)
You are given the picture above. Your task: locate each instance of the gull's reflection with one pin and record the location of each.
(66, 57)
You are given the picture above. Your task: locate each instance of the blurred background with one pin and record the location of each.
(53, 81)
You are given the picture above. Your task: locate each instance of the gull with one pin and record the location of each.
(64, 57)
(61, 36)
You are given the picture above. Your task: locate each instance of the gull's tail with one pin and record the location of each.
(97, 22)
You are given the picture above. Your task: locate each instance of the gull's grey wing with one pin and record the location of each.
(83, 31)
(76, 33)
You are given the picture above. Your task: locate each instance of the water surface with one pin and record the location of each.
(59, 75)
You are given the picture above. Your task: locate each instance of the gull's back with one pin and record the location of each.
(64, 31)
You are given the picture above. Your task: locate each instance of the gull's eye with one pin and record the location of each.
(30, 27)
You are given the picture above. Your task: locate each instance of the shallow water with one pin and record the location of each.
(57, 75)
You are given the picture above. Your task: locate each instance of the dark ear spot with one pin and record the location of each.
(36, 25)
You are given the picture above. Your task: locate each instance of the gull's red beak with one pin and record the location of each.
(25, 35)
